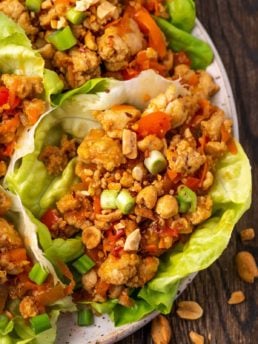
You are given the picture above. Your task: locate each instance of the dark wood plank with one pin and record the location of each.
(233, 26)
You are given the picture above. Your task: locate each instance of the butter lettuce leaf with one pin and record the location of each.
(52, 83)
(91, 86)
(182, 13)
(199, 52)
(20, 60)
(12, 33)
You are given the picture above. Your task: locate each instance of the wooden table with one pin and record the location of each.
(233, 26)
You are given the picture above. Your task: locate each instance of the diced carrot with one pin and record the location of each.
(51, 295)
(129, 73)
(16, 254)
(156, 123)
(228, 139)
(232, 147)
(172, 174)
(225, 135)
(193, 80)
(101, 288)
(149, 27)
(192, 183)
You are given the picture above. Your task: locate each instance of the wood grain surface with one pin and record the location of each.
(233, 27)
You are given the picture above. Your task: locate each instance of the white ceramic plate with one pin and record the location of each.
(103, 330)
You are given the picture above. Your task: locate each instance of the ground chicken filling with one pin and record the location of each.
(20, 107)
(144, 183)
(83, 39)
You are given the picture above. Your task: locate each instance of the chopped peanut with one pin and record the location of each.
(91, 237)
(129, 144)
(247, 234)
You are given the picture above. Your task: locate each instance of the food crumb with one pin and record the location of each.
(247, 234)
(236, 297)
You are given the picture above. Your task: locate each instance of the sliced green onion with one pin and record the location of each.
(187, 199)
(108, 199)
(38, 274)
(62, 39)
(40, 323)
(74, 16)
(3, 321)
(33, 5)
(125, 202)
(183, 206)
(85, 317)
(156, 162)
(83, 264)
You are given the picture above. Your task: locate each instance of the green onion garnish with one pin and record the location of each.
(3, 321)
(156, 162)
(62, 39)
(33, 5)
(85, 317)
(108, 199)
(74, 16)
(40, 323)
(187, 199)
(37, 274)
(125, 202)
(83, 264)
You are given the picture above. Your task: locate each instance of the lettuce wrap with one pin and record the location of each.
(27, 176)
(16, 329)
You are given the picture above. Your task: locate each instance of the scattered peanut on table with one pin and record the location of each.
(246, 266)
(196, 338)
(236, 297)
(189, 310)
(160, 330)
